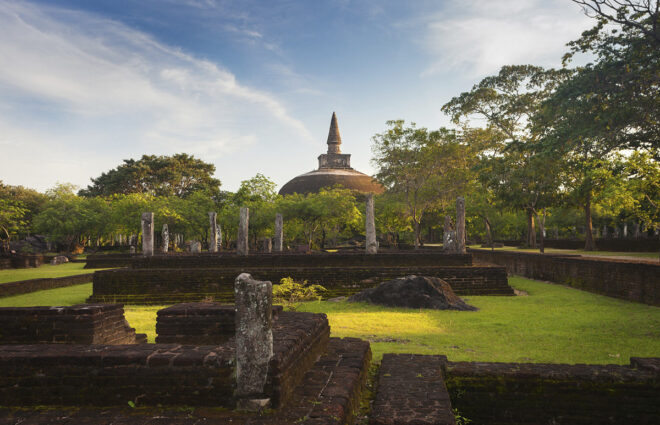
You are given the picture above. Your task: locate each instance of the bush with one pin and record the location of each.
(290, 293)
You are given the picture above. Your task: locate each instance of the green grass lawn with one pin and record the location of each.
(553, 324)
(67, 269)
(654, 255)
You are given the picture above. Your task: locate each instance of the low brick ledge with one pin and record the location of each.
(329, 394)
(32, 285)
(412, 391)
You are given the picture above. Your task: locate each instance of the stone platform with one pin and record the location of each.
(328, 393)
(171, 285)
(154, 374)
(77, 324)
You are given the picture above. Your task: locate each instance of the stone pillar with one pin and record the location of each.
(460, 225)
(166, 239)
(279, 233)
(213, 232)
(195, 247)
(266, 245)
(448, 236)
(370, 226)
(148, 233)
(242, 247)
(254, 340)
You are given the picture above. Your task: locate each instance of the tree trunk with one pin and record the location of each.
(489, 233)
(417, 234)
(588, 231)
(531, 229)
(542, 233)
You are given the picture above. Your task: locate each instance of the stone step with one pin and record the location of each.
(411, 390)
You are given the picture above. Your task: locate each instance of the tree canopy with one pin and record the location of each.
(177, 175)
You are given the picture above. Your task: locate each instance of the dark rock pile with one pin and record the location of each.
(413, 292)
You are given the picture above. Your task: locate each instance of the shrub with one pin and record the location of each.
(290, 293)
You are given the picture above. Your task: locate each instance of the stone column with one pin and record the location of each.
(254, 340)
(460, 225)
(242, 241)
(148, 233)
(279, 233)
(448, 236)
(213, 232)
(166, 239)
(370, 226)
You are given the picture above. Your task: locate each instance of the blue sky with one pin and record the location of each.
(247, 85)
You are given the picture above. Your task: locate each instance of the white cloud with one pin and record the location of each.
(73, 82)
(477, 37)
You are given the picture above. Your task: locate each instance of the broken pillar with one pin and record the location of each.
(370, 226)
(148, 233)
(242, 247)
(279, 233)
(460, 225)
(213, 232)
(254, 340)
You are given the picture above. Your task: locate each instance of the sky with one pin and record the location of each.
(247, 85)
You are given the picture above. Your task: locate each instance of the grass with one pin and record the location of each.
(66, 269)
(554, 324)
(653, 255)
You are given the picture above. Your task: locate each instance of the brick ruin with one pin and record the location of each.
(179, 278)
(77, 324)
(312, 378)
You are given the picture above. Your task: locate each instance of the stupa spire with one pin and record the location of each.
(334, 138)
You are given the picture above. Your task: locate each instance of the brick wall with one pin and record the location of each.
(625, 245)
(156, 286)
(32, 285)
(151, 374)
(628, 280)
(78, 324)
(20, 261)
(515, 393)
(226, 259)
(202, 323)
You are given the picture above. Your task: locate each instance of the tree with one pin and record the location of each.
(605, 106)
(12, 220)
(428, 169)
(508, 101)
(178, 175)
(30, 200)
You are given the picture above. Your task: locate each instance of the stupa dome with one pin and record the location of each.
(334, 168)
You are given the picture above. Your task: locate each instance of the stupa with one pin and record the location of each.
(334, 169)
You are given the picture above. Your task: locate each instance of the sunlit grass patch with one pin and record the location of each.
(67, 269)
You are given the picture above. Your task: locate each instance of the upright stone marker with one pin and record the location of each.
(448, 236)
(213, 232)
(148, 233)
(242, 241)
(165, 234)
(279, 233)
(460, 225)
(370, 226)
(254, 339)
(195, 247)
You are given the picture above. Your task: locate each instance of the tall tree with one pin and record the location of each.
(508, 101)
(429, 169)
(177, 175)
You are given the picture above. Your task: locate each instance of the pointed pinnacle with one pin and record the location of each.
(334, 138)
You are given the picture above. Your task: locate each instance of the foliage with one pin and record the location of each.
(319, 217)
(177, 175)
(290, 293)
(12, 220)
(428, 169)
